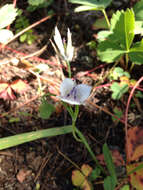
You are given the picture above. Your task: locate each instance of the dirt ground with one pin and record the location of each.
(42, 164)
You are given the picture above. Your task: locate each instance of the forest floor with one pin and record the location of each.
(42, 162)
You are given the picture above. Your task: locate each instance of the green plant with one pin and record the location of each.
(21, 23)
(7, 15)
(37, 4)
(118, 41)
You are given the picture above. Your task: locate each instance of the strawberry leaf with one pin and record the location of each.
(19, 86)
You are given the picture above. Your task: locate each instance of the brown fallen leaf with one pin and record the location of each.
(22, 174)
(7, 89)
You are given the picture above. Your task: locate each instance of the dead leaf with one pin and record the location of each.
(22, 174)
(136, 178)
(7, 89)
(6, 92)
(135, 143)
(79, 178)
(19, 86)
(116, 156)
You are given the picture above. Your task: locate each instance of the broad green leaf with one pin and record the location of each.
(122, 25)
(15, 140)
(118, 91)
(109, 51)
(7, 15)
(98, 4)
(109, 183)
(46, 110)
(136, 53)
(109, 163)
(103, 35)
(138, 10)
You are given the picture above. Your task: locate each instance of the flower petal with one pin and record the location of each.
(66, 86)
(83, 92)
(59, 42)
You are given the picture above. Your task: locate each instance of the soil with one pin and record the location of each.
(43, 164)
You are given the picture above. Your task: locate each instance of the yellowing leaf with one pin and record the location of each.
(77, 178)
(136, 178)
(19, 86)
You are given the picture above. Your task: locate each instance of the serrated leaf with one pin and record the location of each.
(102, 4)
(118, 90)
(103, 35)
(136, 53)
(46, 110)
(7, 15)
(36, 2)
(138, 10)
(122, 25)
(109, 51)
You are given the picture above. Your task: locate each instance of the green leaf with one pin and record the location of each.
(86, 8)
(7, 15)
(139, 94)
(109, 164)
(109, 183)
(11, 141)
(125, 187)
(94, 174)
(23, 37)
(118, 91)
(122, 25)
(109, 51)
(136, 53)
(97, 4)
(118, 112)
(46, 110)
(36, 2)
(138, 10)
(103, 35)
(14, 119)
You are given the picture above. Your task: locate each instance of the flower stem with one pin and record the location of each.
(84, 141)
(106, 18)
(69, 68)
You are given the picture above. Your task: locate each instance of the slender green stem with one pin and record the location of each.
(127, 60)
(69, 68)
(84, 141)
(106, 18)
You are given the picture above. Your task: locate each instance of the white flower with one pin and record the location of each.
(68, 51)
(72, 93)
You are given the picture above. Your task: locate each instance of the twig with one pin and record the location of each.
(28, 28)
